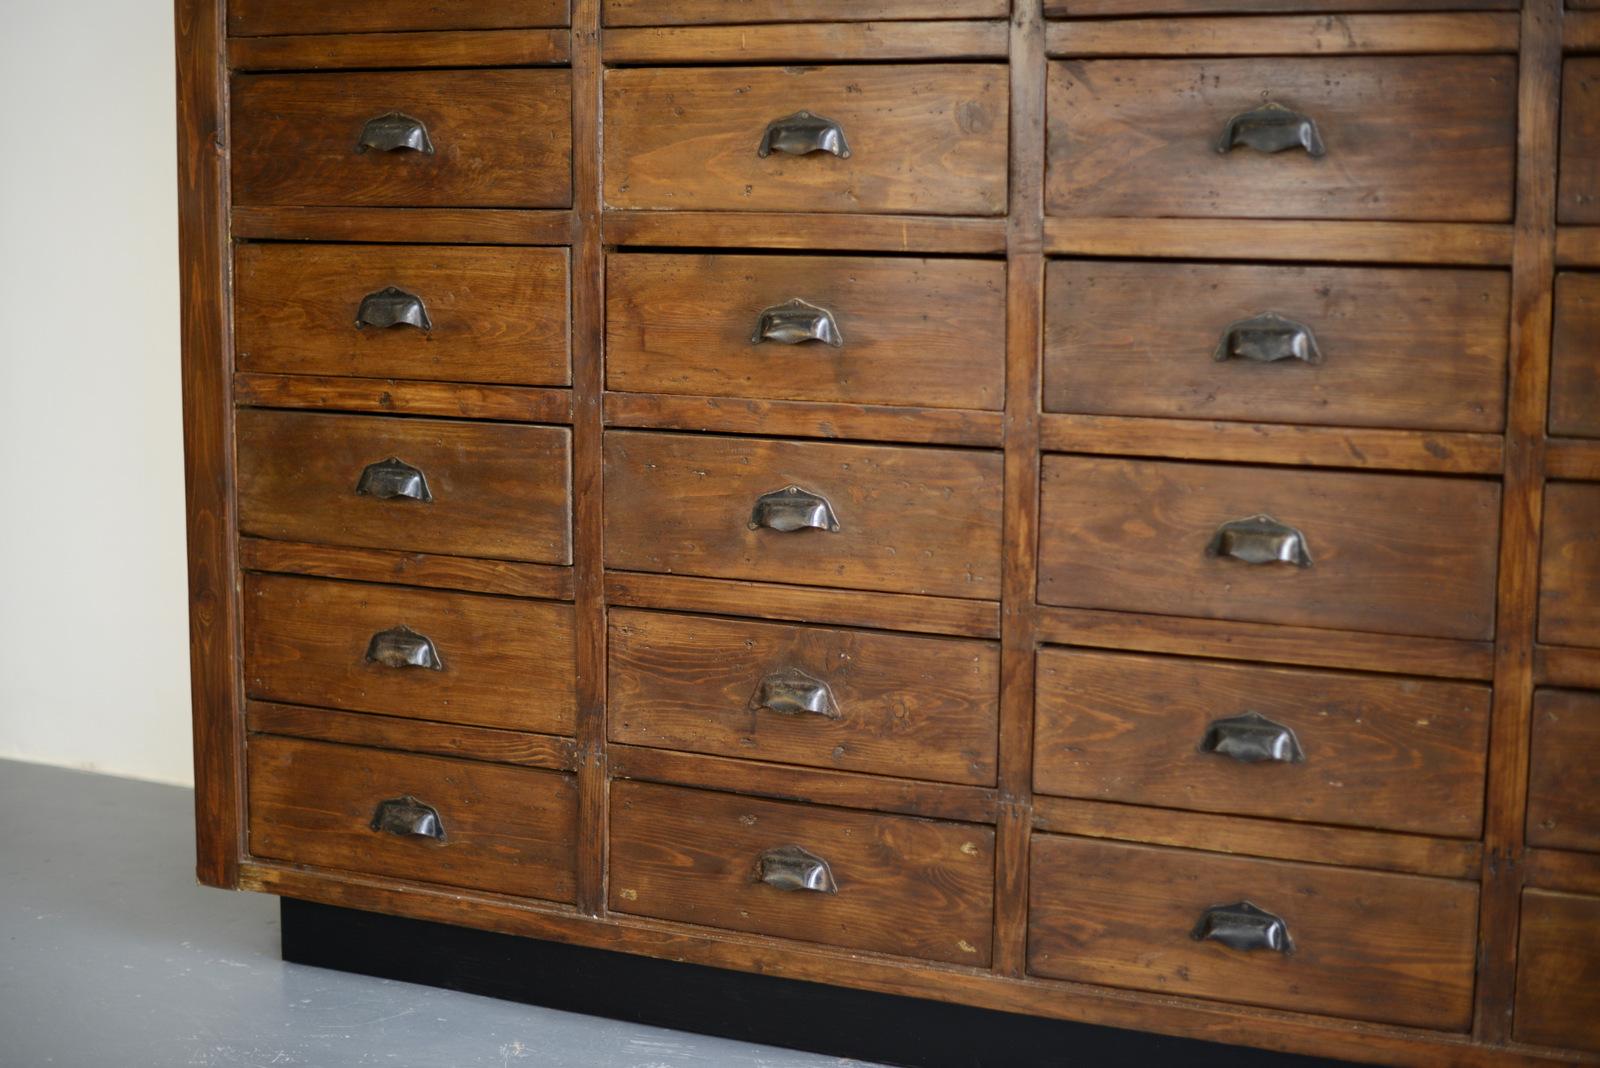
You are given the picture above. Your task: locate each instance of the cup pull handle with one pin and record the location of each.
(1260, 539)
(793, 868)
(1252, 739)
(1245, 927)
(791, 509)
(393, 307)
(801, 134)
(797, 322)
(408, 818)
(402, 647)
(1271, 128)
(791, 692)
(395, 132)
(1268, 338)
(394, 479)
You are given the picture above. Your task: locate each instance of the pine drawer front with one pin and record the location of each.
(247, 18)
(1558, 971)
(847, 329)
(704, 12)
(925, 139)
(869, 517)
(453, 657)
(1569, 569)
(1367, 945)
(1564, 777)
(826, 697)
(885, 884)
(1575, 357)
(434, 313)
(1398, 138)
(1307, 345)
(428, 819)
(451, 138)
(1373, 751)
(1392, 554)
(491, 490)
(1579, 198)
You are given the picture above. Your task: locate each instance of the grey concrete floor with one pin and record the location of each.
(110, 954)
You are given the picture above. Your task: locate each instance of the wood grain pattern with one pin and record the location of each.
(392, 396)
(1575, 356)
(926, 139)
(1564, 771)
(510, 578)
(1370, 945)
(834, 41)
(1569, 565)
(806, 231)
(1140, 339)
(1578, 198)
(918, 332)
(1085, 8)
(1388, 752)
(495, 315)
(923, 521)
(1558, 982)
(499, 490)
(805, 419)
(502, 139)
(373, 51)
(506, 829)
(504, 663)
(438, 226)
(314, 16)
(1407, 138)
(905, 886)
(1554, 869)
(1555, 665)
(920, 707)
(1263, 240)
(692, 12)
(410, 735)
(1133, 536)
(1291, 34)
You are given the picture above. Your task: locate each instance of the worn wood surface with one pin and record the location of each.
(249, 17)
(806, 231)
(394, 396)
(1274, 240)
(833, 41)
(374, 51)
(1578, 200)
(805, 419)
(1085, 8)
(511, 578)
(694, 12)
(1558, 984)
(403, 226)
(1564, 771)
(488, 744)
(1556, 869)
(1291, 34)
(1569, 566)
(1575, 356)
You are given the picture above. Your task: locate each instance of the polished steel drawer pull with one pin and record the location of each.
(1271, 128)
(394, 479)
(1260, 539)
(791, 509)
(791, 692)
(1268, 338)
(395, 132)
(801, 134)
(797, 322)
(1252, 739)
(402, 647)
(792, 868)
(408, 818)
(1243, 926)
(393, 307)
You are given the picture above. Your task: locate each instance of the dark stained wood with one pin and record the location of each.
(1555, 665)
(1412, 138)
(694, 12)
(804, 231)
(1575, 356)
(1558, 980)
(1084, 8)
(1564, 771)
(833, 41)
(919, 707)
(495, 315)
(1578, 246)
(923, 521)
(904, 886)
(389, 732)
(502, 139)
(508, 577)
(1378, 751)
(506, 829)
(1553, 869)
(1257, 240)
(391, 396)
(1572, 459)
(1390, 553)
(247, 17)
(805, 419)
(1140, 339)
(686, 138)
(504, 663)
(920, 332)
(1579, 198)
(1291, 34)
(499, 490)
(1569, 568)
(359, 51)
(1370, 945)
(442, 226)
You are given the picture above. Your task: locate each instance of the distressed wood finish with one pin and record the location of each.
(1290, 35)
(1086, 8)
(805, 419)
(1575, 356)
(1558, 983)
(508, 577)
(1578, 200)
(835, 41)
(377, 51)
(1564, 771)
(1283, 240)
(806, 231)
(1569, 569)
(392, 396)
(696, 12)
(487, 744)
(261, 17)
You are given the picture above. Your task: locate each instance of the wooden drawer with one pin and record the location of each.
(247, 18)
(924, 138)
(393, 311)
(1558, 971)
(870, 517)
(868, 330)
(1569, 567)
(494, 139)
(1575, 357)
(454, 657)
(458, 822)
(826, 697)
(1329, 747)
(1564, 771)
(1331, 346)
(703, 12)
(1395, 554)
(1578, 200)
(1102, 8)
(1404, 137)
(1369, 945)
(486, 489)
(912, 887)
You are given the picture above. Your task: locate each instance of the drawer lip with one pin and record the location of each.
(418, 15)
(626, 13)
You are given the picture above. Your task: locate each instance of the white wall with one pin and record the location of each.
(93, 639)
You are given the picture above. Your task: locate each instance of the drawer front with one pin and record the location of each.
(1564, 776)
(1394, 554)
(429, 485)
(392, 311)
(247, 18)
(847, 329)
(1330, 346)
(1421, 138)
(1558, 971)
(826, 697)
(488, 138)
(1102, 8)
(927, 138)
(1575, 357)
(453, 657)
(886, 884)
(1373, 751)
(458, 822)
(1369, 945)
(1578, 200)
(705, 12)
(1569, 567)
(869, 517)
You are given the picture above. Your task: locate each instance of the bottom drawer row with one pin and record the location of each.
(1371, 945)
